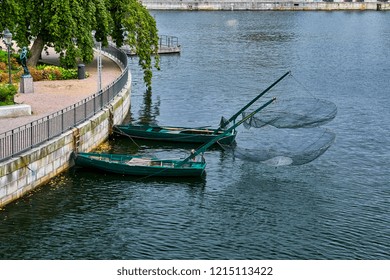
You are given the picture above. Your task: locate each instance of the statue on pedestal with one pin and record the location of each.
(26, 81)
(23, 60)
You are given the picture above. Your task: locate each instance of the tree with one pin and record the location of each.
(67, 25)
(134, 26)
(8, 10)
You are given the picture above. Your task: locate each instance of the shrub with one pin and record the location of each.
(3, 77)
(68, 74)
(36, 74)
(40, 66)
(7, 93)
(39, 73)
(14, 64)
(3, 56)
(52, 73)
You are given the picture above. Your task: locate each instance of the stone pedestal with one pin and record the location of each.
(26, 84)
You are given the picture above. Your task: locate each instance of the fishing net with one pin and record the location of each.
(294, 113)
(291, 132)
(292, 147)
(223, 123)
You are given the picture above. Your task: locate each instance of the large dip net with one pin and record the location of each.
(290, 133)
(294, 113)
(285, 148)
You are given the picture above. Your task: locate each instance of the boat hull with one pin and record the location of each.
(174, 134)
(138, 166)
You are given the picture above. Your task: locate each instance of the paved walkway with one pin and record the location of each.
(52, 96)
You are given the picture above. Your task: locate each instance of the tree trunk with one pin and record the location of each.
(36, 51)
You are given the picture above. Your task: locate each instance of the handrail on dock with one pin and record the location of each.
(169, 41)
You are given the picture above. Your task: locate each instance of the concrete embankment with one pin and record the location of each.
(263, 5)
(27, 171)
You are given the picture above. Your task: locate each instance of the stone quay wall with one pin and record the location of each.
(265, 5)
(22, 174)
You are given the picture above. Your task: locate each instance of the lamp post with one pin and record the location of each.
(99, 61)
(7, 39)
(99, 66)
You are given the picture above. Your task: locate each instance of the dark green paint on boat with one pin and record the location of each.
(174, 134)
(140, 166)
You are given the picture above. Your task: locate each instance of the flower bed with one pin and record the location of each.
(40, 73)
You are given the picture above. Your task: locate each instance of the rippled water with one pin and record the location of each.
(336, 207)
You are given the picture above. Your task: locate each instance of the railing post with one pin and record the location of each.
(101, 100)
(31, 135)
(94, 104)
(12, 143)
(48, 128)
(62, 120)
(74, 115)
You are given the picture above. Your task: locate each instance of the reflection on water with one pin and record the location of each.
(262, 37)
(149, 111)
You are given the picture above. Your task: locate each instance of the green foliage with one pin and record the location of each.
(7, 93)
(67, 25)
(39, 73)
(8, 12)
(15, 67)
(52, 73)
(142, 37)
(4, 56)
(68, 74)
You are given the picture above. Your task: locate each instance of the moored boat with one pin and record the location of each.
(140, 166)
(200, 135)
(148, 167)
(174, 134)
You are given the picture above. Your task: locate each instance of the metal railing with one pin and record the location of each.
(23, 138)
(168, 41)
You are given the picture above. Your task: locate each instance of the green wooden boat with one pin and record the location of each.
(140, 166)
(193, 165)
(174, 134)
(200, 135)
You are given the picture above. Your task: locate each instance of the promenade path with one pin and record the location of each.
(52, 96)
